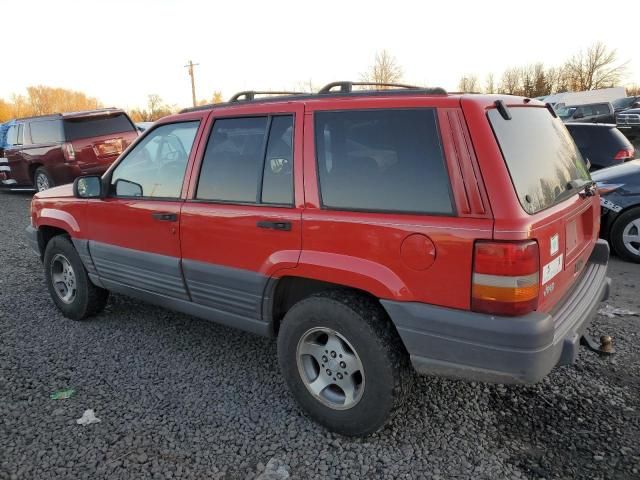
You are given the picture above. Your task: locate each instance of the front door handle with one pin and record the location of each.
(165, 216)
(285, 226)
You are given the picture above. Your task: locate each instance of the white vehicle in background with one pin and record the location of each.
(558, 100)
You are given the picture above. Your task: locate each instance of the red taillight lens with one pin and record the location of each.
(625, 154)
(69, 152)
(505, 278)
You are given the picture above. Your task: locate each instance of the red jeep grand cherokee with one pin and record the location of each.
(55, 149)
(371, 232)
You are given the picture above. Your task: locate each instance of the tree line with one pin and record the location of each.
(588, 69)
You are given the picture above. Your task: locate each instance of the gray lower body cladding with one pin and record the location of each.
(225, 295)
(474, 346)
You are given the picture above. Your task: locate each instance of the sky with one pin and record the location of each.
(122, 51)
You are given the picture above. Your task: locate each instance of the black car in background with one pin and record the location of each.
(601, 112)
(625, 103)
(603, 144)
(628, 121)
(619, 188)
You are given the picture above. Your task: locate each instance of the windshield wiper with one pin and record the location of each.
(587, 188)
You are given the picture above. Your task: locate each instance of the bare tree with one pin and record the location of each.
(597, 67)
(510, 82)
(468, 84)
(385, 69)
(490, 84)
(633, 90)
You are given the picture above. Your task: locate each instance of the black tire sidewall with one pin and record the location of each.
(76, 310)
(377, 401)
(616, 234)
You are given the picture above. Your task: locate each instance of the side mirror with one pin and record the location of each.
(635, 105)
(87, 187)
(126, 188)
(578, 114)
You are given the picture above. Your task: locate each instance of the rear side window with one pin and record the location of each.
(382, 160)
(249, 160)
(46, 131)
(601, 109)
(88, 127)
(541, 157)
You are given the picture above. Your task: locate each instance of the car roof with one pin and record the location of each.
(79, 114)
(590, 125)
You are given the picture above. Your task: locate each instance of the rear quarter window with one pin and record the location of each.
(382, 160)
(540, 155)
(46, 131)
(88, 127)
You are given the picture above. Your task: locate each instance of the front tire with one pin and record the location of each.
(42, 180)
(69, 285)
(625, 235)
(344, 362)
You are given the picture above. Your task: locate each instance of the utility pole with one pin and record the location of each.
(190, 66)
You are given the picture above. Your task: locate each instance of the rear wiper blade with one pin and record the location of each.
(587, 188)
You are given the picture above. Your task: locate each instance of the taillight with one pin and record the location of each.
(69, 152)
(625, 154)
(505, 277)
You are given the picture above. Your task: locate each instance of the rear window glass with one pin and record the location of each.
(46, 131)
(87, 127)
(382, 160)
(542, 159)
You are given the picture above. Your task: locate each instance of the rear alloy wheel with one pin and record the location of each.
(42, 180)
(344, 362)
(625, 235)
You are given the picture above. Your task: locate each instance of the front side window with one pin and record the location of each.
(249, 160)
(382, 160)
(155, 167)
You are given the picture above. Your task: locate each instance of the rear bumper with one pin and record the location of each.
(474, 346)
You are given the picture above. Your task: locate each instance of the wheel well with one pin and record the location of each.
(46, 233)
(32, 169)
(290, 290)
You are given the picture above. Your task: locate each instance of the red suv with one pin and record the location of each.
(55, 149)
(374, 233)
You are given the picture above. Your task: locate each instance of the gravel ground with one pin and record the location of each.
(180, 397)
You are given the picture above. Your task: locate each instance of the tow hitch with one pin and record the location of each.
(604, 348)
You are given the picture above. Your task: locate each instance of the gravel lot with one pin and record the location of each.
(180, 397)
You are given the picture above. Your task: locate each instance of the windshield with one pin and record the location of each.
(623, 102)
(543, 161)
(566, 112)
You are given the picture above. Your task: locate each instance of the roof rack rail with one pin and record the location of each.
(347, 87)
(251, 94)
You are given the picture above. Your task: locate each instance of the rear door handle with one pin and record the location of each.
(286, 226)
(165, 216)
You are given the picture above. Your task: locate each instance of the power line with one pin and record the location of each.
(190, 66)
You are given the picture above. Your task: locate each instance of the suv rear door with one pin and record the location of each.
(546, 172)
(241, 223)
(98, 139)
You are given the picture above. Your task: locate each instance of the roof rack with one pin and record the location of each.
(336, 89)
(251, 94)
(347, 87)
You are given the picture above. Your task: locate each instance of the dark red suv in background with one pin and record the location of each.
(371, 232)
(55, 149)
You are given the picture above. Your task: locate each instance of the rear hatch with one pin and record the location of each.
(550, 179)
(96, 140)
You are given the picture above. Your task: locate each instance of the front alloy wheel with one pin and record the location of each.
(64, 278)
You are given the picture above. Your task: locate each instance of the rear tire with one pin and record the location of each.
(353, 348)
(69, 285)
(625, 235)
(42, 180)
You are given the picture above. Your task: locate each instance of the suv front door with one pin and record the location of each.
(135, 231)
(18, 167)
(241, 223)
